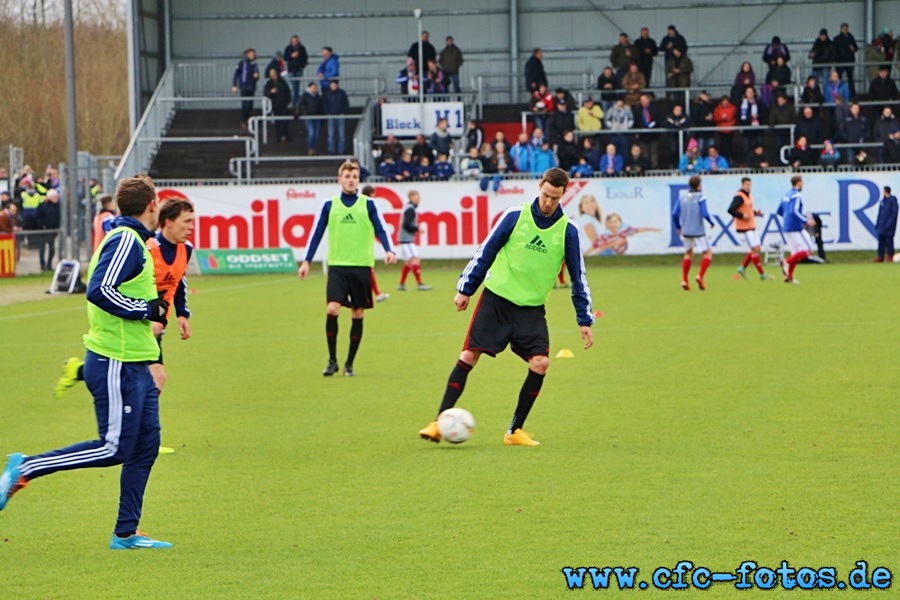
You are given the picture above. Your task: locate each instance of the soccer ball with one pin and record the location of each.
(897, 258)
(456, 425)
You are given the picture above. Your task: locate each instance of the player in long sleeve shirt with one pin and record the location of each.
(687, 219)
(518, 264)
(793, 225)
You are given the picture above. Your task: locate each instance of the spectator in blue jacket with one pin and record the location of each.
(335, 102)
(407, 169)
(329, 68)
(542, 158)
(246, 75)
(714, 162)
(835, 86)
(520, 154)
(388, 168)
(582, 169)
(443, 170)
(886, 225)
(611, 162)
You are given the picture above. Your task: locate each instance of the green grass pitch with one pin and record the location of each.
(754, 421)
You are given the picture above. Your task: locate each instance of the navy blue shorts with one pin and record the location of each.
(498, 323)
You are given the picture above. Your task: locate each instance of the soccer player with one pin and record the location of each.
(369, 192)
(793, 226)
(103, 219)
(122, 303)
(351, 220)
(518, 264)
(687, 219)
(409, 227)
(745, 222)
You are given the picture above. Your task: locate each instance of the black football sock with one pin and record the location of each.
(80, 375)
(455, 385)
(331, 331)
(527, 395)
(356, 331)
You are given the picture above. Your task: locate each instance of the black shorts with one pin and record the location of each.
(497, 323)
(350, 286)
(159, 360)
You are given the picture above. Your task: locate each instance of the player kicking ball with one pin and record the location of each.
(687, 220)
(518, 263)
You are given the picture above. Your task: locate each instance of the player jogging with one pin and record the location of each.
(518, 263)
(745, 222)
(351, 220)
(122, 301)
(793, 225)
(687, 219)
(409, 228)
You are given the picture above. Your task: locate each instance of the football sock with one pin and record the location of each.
(527, 395)
(356, 331)
(417, 273)
(747, 259)
(125, 535)
(331, 331)
(704, 265)
(80, 375)
(404, 271)
(795, 258)
(685, 268)
(757, 263)
(455, 385)
(375, 289)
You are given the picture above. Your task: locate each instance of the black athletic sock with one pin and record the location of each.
(527, 395)
(356, 331)
(331, 331)
(455, 385)
(80, 375)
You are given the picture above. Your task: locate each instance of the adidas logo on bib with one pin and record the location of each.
(536, 244)
(348, 218)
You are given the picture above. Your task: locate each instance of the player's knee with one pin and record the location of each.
(333, 309)
(539, 364)
(469, 357)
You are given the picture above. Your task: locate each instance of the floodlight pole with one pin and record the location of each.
(71, 129)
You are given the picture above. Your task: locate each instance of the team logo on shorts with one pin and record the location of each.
(536, 244)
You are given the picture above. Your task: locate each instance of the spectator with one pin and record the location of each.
(623, 54)
(890, 152)
(567, 151)
(581, 170)
(542, 104)
(745, 78)
(751, 113)
(562, 94)
(535, 76)
(428, 51)
(441, 140)
(702, 114)
(845, 49)
(810, 125)
(278, 64)
(590, 154)
(678, 71)
(335, 102)
(297, 59)
(835, 87)
(883, 87)
(873, 56)
(830, 156)
(501, 161)
(608, 86)
(836, 121)
(888, 46)
(48, 218)
(884, 125)
(451, 61)
(812, 94)
(886, 225)
(542, 158)
(725, 118)
(408, 78)
(855, 129)
(691, 162)
(246, 75)
(633, 82)
(31, 200)
(278, 91)
(421, 148)
(388, 168)
(470, 166)
(434, 79)
(329, 68)
(780, 115)
(537, 137)
(486, 156)
(636, 163)
(677, 122)
(8, 210)
(777, 78)
(860, 158)
(407, 169)
(801, 155)
(821, 54)
(426, 172)
(443, 170)
(520, 154)
(611, 162)
(620, 119)
(391, 147)
(672, 41)
(646, 50)
(560, 121)
(774, 50)
(757, 159)
(474, 135)
(714, 162)
(590, 117)
(645, 117)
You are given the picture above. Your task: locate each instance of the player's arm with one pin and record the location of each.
(475, 272)
(409, 218)
(121, 259)
(381, 231)
(581, 291)
(705, 212)
(180, 301)
(316, 238)
(736, 203)
(798, 211)
(676, 217)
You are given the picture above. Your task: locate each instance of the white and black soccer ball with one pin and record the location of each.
(897, 258)
(456, 425)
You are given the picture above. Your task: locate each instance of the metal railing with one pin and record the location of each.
(242, 166)
(782, 152)
(138, 156)
(249, 142)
